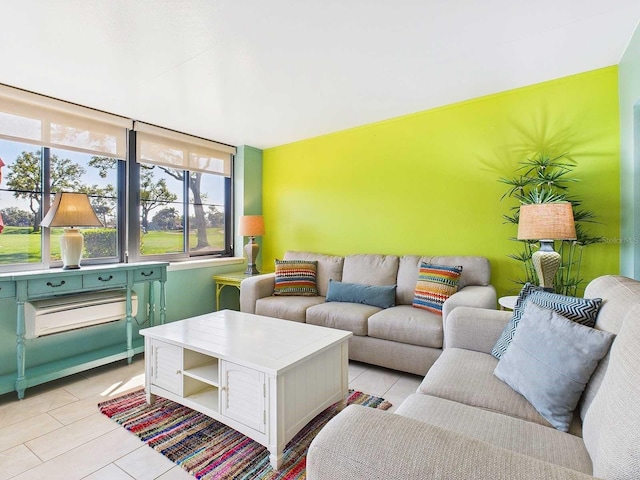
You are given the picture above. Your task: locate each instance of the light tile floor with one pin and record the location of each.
(57, 432)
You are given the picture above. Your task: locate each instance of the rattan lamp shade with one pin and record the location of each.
(546, 221)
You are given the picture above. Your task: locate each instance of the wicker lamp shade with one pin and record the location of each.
(547, 221)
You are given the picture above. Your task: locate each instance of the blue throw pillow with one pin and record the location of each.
(550, 360)
(374, 295)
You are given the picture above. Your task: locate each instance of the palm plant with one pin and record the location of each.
(544, 179)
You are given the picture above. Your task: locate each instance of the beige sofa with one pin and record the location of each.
(465, 423)
(401, 337)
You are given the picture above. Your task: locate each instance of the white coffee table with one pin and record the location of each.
(264, 377)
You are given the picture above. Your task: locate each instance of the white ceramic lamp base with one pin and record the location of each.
(71, 244)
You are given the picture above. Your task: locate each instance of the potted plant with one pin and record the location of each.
(546, 178)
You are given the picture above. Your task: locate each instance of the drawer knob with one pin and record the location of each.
(102, 279)
(146, 274)
(55, 285)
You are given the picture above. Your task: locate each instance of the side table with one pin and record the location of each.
(232, 279)
(507, 303)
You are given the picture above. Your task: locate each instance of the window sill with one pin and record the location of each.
(211, 262)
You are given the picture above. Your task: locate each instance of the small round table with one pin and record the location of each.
(507, 303)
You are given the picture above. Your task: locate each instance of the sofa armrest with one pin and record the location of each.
(480, 296)
(475, 328)
(254, 288)
(365, 443)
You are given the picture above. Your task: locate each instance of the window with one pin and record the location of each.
(29, 172)
(176, 192)
(184, 189)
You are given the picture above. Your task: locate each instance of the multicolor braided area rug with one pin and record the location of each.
(209, 449)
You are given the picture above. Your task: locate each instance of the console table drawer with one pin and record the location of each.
(7, 289)
(54, 286)
(107, 280)
(147, 274)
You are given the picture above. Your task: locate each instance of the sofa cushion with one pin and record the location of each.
(550, 361)
(514, 434)
(288, 308)
(370, 269)
(345, 316)
(406, 324)
(435, 284)
(295, 277)
(329, 266)
(467, 377)
(383, 296)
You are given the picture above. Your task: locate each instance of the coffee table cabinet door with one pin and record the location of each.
(166, 370)
(244, 392)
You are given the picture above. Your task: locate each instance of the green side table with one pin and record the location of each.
(232, 279)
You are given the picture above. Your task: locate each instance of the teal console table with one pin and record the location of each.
(41, 284)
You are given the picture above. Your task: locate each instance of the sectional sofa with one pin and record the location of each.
(400, 337)
(463, 422)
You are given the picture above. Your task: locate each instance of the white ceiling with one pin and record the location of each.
(265, 73)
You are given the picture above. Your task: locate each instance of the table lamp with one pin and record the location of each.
(251, 226)
(546, 222)
(71, 210)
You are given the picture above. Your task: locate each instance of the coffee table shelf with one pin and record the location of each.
(205, 373)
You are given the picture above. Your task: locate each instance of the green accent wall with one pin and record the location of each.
(247, 171)
(427, 183)
(629, 78)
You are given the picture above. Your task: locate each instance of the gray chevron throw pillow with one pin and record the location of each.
(579, 310)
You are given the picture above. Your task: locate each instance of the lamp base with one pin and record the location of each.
(251, 249)
(546, 262)
(71, 243)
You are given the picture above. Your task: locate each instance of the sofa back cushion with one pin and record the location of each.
(619, 294)
(475, 271)
(370, 269)
(329, 267)
(611, 429)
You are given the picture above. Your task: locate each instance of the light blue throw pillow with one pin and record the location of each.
(374, 295)
(550, 360)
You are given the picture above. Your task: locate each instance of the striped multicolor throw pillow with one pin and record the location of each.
(296, 277)
(435, 284)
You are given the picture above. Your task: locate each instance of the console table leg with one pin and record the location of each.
(129, 324)
(163, 303)
(152, 305)
(21, 381)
